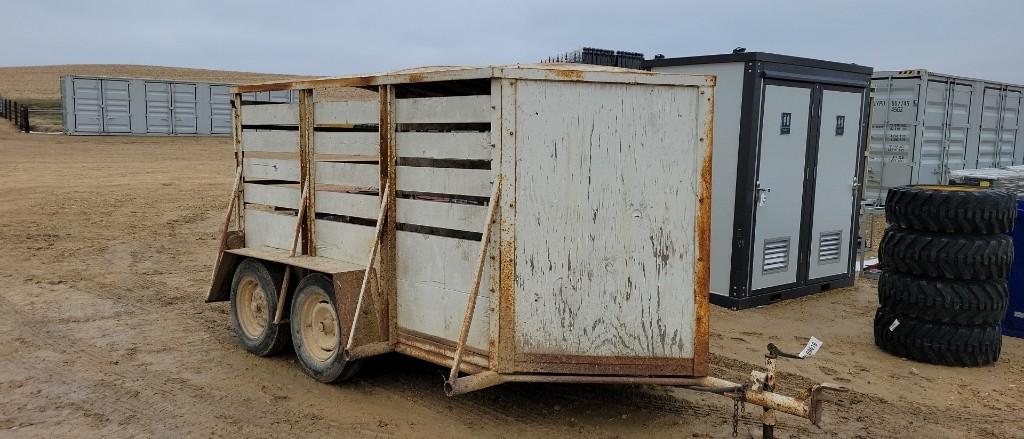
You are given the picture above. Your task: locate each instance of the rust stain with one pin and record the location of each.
(416, 77)
(574, 75)
(702, 266)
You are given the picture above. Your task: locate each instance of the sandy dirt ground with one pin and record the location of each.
(106, 246)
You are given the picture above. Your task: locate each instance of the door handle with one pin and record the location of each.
(761, 192)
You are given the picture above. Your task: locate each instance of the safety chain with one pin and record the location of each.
(739, 405)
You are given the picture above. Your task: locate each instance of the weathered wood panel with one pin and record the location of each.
(448, 109)
(468, 146)
(343, 241)
(347, 174)
(346, 143)
(270, 169)
(341, 203)
(346, 112)
(272, 195)
(607, 183)
(270, 114)
(271, 229)
(476, 182)
(270, 141)
(434, 275)
(444, 215)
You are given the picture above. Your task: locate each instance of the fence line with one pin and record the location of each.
(19, 114)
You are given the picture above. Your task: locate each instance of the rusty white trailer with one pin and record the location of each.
(544, 223)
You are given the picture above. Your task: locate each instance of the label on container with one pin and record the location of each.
(895, 323)
(812, 347)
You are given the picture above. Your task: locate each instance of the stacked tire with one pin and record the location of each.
(945, 259)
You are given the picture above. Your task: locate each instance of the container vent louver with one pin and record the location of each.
(776, 255)
(829, 246)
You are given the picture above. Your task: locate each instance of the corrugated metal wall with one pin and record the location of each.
(926, 124)
(94, 105)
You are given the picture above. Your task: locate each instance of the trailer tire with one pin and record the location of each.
(965, 257)
(968, 210)
(316, 331)
(944, 301)
(934, 343)
(254, 295)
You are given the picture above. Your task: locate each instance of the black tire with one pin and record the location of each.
(944, 301)
(947, 345)
(965, 257)
(327, 369)
(273, 338)
(964, 210)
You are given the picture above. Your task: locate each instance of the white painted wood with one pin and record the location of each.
(444, 215)
(348, 174)
(434, 275)
(606, 198)
(341, 203)
(475, 182)
(346, 112)
(448, 109)
(271, 195)
(270, 141)
(270, 169)
(468, 146)
(346, 143)
(270, 114)
(271, 229)
(343, 241)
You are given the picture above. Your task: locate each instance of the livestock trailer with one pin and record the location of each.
(93, 105)
(789, 147)
(515, 223)
(927, 124)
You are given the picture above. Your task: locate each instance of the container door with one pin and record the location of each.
(838, 143)
(780, 185)
(1010, 131)
(88, 114)
(892, 136)
(183, 108)
(220, 110)
(999, 113)
(116, 108)
(945, 129)
(158, 107)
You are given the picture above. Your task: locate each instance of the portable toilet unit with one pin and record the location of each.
(789, 144)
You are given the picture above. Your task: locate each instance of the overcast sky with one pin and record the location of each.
(980, 39)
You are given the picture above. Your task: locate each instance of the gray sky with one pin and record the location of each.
(980, 39)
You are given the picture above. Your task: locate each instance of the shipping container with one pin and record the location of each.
(136, 106)
(926, 124)
(789, 143)
(512, 224)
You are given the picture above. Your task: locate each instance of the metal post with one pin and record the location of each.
(768, 415)
(24, 119)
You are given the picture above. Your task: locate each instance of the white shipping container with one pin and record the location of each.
(926, 124)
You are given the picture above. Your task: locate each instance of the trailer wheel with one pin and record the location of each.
(968, 210)
(254, 292)
(316, 331)
(957, 257)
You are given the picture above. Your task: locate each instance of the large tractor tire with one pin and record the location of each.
(947, 345)
(963, 257)
(943, 301)
(967, 210)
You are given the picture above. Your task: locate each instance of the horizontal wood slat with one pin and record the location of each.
(448, 109)
(271, 195)
(270, 169)
(346, 112)
(475, 182)
(343, 241)
(346, 143)
(270, 141)
(469, 146)
(341, 203)
(347, 174)
(444, 215)
(270, 114)
(271, 229)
